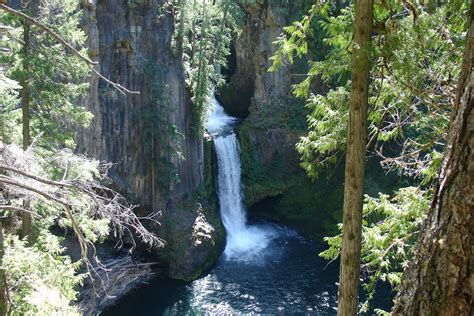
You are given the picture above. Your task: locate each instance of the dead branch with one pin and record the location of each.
(83, 193)
(32, 176)
(117, 86)
(119, 275)
(8, 180)
(105, 202)
(17, 209)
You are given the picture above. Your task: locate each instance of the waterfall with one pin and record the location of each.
(243, 241)
(228, 179)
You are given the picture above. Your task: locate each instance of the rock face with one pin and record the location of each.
(198, 238)
(158, 161)
(252, 86)
(132, 44)
(266, 135)
(267, 140)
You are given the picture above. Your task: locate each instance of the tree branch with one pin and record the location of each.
(16, 209)
(34, 177)
(8, 180)
(49, 31)
(68, 46)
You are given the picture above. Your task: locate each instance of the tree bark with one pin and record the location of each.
(3, 277)
(355, 161)
(440, 279)
(25, 93)
(25, 104)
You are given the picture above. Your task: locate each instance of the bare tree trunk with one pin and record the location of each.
(25, 93)
(3, 277)
(25, 103)
(440, 279)
(355, 161)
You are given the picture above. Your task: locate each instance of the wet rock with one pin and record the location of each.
(196, 239)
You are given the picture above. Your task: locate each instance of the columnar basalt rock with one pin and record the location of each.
(158, 161)
(126, 39)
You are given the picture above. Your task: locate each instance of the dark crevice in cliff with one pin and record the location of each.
(235, 102)
(231, 68)
(236, 94)
(265, 206)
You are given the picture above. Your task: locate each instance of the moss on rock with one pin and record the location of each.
(195, 239)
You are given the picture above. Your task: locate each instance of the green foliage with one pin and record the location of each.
(203, 36)
(390, 229)
(43, 280)
(55, 76)
(327, 132)
(64, 165)
(415, 66)
(9, 130)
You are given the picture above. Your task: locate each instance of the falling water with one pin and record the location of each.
(244, 242)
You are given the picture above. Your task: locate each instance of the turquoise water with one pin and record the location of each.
(287, 278)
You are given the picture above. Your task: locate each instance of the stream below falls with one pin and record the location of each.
(265, 268)
(287, 277)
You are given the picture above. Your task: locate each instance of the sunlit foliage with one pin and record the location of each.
(416, 55)
(43, 280)
(390, 228)
(56, 77)
(204, 31)
(415, 67)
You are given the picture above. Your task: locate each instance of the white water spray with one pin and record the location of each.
(243, 242)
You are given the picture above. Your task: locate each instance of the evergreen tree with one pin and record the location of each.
(203, 36)
(52, 78)
(47, 77)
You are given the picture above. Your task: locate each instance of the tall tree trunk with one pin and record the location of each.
(440, 279)
(25, 104)
(25, 93)
(355, 161)
(3, 277)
